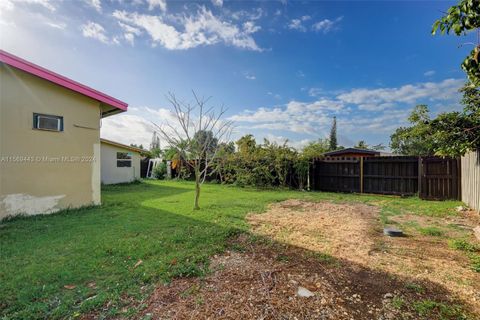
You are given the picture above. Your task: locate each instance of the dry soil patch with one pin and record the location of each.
(335, 251)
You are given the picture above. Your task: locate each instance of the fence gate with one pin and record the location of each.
(440, 178)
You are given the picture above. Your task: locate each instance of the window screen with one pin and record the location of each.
(124, 159)
(47, 122)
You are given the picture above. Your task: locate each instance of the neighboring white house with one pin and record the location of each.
(120, 163)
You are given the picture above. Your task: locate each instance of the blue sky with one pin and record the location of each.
(283, 68)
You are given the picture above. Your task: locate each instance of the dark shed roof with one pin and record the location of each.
(351, 150)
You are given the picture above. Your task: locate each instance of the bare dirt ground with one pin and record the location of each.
(339, 254)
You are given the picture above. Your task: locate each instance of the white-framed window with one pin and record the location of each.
(124, 159)
(47, 122)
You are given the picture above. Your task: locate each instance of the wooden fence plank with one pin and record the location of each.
(439, 178)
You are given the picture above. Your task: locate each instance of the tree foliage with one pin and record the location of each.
(461, 19)
(268, 164)
(449, 134)
(455, 133)
(414, 140)
(205, 141)
(316, 149)
(246, 144)
(223, 165)
(333, 135)
(361, 145)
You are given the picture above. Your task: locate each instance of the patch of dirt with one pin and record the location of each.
(260, 283)
(339, 230)
(461, 225)
(336, 251)
(353, 232)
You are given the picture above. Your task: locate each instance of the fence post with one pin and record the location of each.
(308, 174)
(459, 178)
(361, 174)
(419, 176)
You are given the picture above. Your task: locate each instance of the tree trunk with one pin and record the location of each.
(220, 175)
(196, 206)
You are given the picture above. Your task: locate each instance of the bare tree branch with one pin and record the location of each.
(195, 134)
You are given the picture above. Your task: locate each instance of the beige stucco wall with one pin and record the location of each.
(111, 173)
(63, 168)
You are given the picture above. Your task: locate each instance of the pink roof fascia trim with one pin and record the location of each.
(43, 73)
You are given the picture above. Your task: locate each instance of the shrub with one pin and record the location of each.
(160, 171)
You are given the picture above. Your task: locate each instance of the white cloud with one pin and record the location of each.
(366, 111)
(274, 95)
(55, 25)
(129, 32)
(254, 14)
(200, 29)
(95, 31)
(162, 4)
(429, 73)
(23, 14)
(127, 129)
(47, 4)
(250, 27)
(379, 99)
(296, 24)
(160, 32)
(6, 5)
(326, 25)
(359, 112)
(217, 3)
(129, 37)
(295, 116)
(249, 76)
(138, 129)
(162, 115)
(383, 123)
(95, 4)
(315, 92)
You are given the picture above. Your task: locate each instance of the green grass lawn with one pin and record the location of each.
(93, 251)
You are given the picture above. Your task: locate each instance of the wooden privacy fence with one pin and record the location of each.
(431, 178)
(392, 175)
(471, 179)
(440, 178)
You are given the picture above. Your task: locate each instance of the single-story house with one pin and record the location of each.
(120, 163)
(356, 153)
(49, 139)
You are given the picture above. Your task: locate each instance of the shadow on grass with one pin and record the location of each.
(102, 261)
(244, 291)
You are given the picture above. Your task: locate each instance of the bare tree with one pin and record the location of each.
(196, 134)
